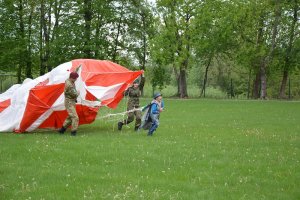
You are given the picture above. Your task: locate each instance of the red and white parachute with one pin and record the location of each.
(39, 103)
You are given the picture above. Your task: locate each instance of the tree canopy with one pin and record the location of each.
(253, 45)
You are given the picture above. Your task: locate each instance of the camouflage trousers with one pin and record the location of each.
(130, 118)
(72, 118)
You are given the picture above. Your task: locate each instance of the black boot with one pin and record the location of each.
(73, 133)
(120, 124)
(62, 130)
(136, 128)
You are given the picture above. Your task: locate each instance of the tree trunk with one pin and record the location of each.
(258, 64)
(205, 77)
(42, 24)
(256, 85)
(115, 49)
(249, 84)
(97, 37)
(87, 28)
(177, 80)
(282, 94)
(265, 62)
(182, 83)
(22, 51)
(28, 52)
(260, 76)
(19, 74)
(263, 80)
(46, 40)
(57, 9)
(143, 61)
(47, 32)
(184, 67)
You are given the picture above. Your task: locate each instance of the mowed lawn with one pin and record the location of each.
(203, 149)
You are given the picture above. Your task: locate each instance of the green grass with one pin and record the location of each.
(203, 149)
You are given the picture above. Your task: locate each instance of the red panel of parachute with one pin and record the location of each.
(4, 104)
(40, 100)
(56, 119)
(110, 74)
(90, 97)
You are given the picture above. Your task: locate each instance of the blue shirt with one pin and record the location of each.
(155, 107)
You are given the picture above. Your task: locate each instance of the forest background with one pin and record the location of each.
(187, 48)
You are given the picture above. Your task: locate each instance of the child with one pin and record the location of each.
(151, 117)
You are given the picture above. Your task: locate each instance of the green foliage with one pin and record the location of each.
(6, 81)
(187, 35)
(8, 41)
(216, 149)
(160, 76)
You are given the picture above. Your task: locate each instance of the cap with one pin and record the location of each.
(74, 75)
(156, 95)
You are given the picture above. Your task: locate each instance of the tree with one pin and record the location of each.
(258, 35)
(9, 43)
(141, 31)
(173, 41)
(120, 23)
(289, 44)
(104, 12)
(214, 34)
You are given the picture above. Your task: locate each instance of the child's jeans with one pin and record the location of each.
(155, 123)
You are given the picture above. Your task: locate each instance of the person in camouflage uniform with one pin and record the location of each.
(71, 95)
(134, 94)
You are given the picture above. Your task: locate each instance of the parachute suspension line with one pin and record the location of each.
(113, 117)
(110, 117)
(117, 117)
(118, 114)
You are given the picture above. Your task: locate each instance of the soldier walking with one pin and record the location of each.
(134, 94)
(71, 95)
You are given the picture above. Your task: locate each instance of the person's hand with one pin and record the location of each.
(161, 109)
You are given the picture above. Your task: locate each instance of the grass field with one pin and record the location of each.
(203, 149)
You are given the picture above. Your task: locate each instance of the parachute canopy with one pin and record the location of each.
(39, 103)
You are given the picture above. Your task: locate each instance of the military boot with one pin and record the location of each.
(120, 124)
(62, 130)
(73, 133)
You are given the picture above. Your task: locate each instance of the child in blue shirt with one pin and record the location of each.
(156, 107)
(150, 119)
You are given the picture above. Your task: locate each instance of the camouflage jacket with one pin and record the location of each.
(134, 96)
(70, 90)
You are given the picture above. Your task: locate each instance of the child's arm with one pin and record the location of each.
(161, 107)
